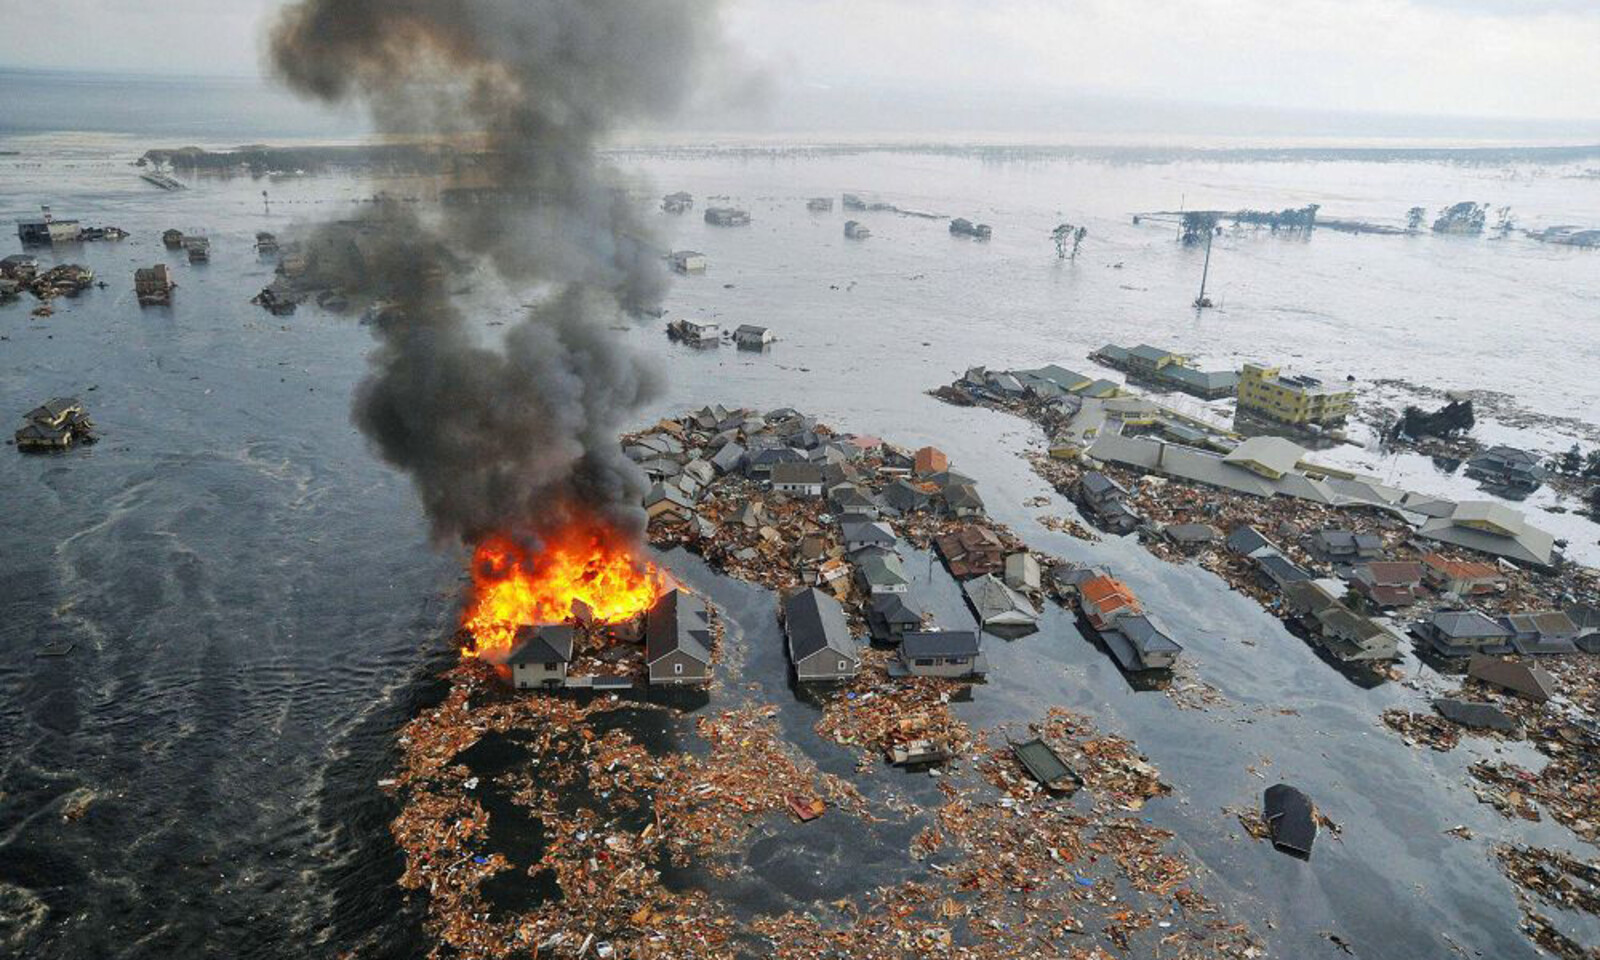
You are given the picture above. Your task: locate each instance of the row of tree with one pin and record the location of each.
(1575, 463)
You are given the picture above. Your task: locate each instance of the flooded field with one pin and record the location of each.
(255, 608)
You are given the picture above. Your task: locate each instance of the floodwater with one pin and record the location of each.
(255, 607)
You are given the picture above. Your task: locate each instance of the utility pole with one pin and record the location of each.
(1200, 302)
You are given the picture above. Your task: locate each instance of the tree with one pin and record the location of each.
(1591, 466)
(1197, 225)
(1415, 218)
(1570, 462)
(1066, 234)
(1505, 223)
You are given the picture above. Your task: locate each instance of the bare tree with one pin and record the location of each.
(1068, 239)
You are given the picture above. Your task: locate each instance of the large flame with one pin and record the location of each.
(512, 587)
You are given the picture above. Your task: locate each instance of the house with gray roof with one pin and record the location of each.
(1247, 541)
(905, 497)
(848, 499)
(891, 615)
(1508, 468)
(1549, 631)
(820, 645)
(999, 607)
(858, 534)
(1343, 546)
(1494, 529)
(883, 573)
(1351, 637)
(1138, 643)
(940, 653)
(677, 639)
(1277, 571)
(540, 655)
(962, 500)
(1461, 633)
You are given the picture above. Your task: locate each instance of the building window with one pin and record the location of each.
(552, 667)
(844, 666)
(677, 668)
(924, 661)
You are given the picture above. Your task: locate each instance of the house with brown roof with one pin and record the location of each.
(972, 551)
(1388, 583)
(1460, 577)
(929, 460)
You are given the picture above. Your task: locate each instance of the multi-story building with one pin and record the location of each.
(1296, 399)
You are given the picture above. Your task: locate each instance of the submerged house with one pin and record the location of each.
(1460, 577)
(689, 261)
(727, 217)
(752, 337)
(678, 640)
(1139, 644)
(153, 285)
(1507, 467)
(883, 573)
(820, 645)
(541, 656)
(1102, 499)
(1388, 584)
(941, 653)
(1343, 546)
(1550, 631)
(998, 606)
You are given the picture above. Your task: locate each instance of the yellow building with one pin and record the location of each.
(1292, 398)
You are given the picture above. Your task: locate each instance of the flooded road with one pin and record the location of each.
(254, 605)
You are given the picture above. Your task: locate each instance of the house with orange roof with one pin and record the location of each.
(1104, 599)
(1460, 577)
(930, 460)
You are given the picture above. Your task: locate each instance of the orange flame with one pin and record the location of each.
(512, 588)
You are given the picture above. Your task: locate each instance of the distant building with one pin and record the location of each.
(679, 202)
(1549, 631)
(696, 332)
(1022, 572)
(1507, 467)
(942, 653)
(727, 217)
(1270, 457)
(963, 227)
(20, 266)
(48, 229)
(689, 261)
(678, 639)
(752, 337)
(153, 285)
(541, 656)
(856, 231)
(962, 500)
(820, 645)
(1165, 369)
(820, 204)
(1294, 399)
(930, 460)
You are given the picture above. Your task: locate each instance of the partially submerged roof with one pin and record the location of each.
(1246, 540)
(997, 604)
(940, 643)
(1467, 625)
(1493, 529)
(896, 608)
(1147, 636)
(814, 622)
(1483, 716)
(801, 473)
(883, 570)
(1290, 817)
(868, 532)
(1525, 679)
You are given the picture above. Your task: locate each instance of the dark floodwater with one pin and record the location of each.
(254, 606)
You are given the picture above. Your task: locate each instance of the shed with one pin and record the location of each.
(929, 460)
(750, 335)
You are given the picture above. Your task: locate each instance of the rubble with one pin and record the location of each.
(1556, 879)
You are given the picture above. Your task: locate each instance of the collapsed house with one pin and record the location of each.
(55, 425)
(153, 286)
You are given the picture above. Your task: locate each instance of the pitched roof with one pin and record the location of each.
(1146, 636)
(868, 532)
(801, 473)
(895, 608)
(814, 621)
(997, 604)
(963, 496)
(1247, 540)
(1527, 679)
(1531, 545)
(1280, 569)
(1392, 573)
(1466, 624)
(1105, 587)
(1273, 454)
(883, 569)
(550, 643)
(940, 643)
(1097, 484)
(678, 621)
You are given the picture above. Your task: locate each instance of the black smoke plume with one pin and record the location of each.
(516, 437)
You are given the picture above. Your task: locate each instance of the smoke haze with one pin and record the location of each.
(521, 436)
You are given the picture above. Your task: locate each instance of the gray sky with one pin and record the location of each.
(1532, 59)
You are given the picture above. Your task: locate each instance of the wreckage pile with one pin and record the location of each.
(56, 424)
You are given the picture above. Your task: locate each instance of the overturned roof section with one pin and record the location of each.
(1525, 679)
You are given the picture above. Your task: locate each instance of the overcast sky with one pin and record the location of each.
(1474, 58)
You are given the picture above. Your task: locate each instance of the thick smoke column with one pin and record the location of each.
(519, 438)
